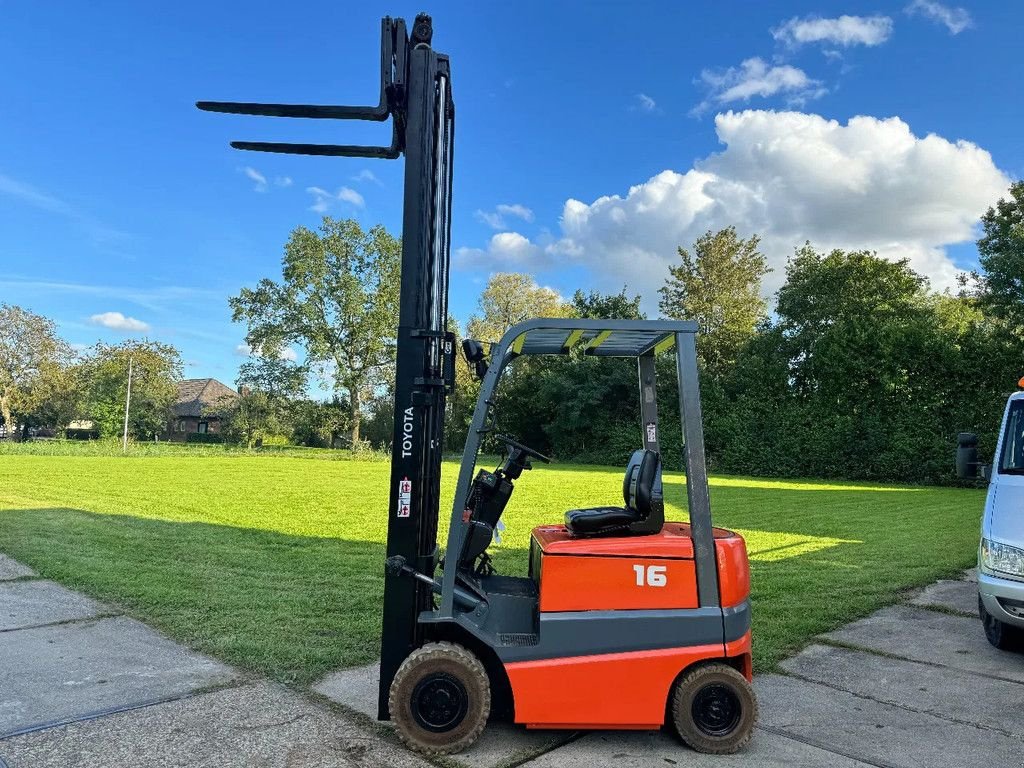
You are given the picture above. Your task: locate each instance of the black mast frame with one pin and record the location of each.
(415, 91)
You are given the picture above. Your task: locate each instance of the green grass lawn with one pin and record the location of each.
(275, 563)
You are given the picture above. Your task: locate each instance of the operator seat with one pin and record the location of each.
(642, 494)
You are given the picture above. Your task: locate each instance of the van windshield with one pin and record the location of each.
(1012, 460)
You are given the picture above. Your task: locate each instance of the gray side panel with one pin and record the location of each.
(736, 621)
(588, 633)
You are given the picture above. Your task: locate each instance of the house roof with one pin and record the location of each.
(202, 397)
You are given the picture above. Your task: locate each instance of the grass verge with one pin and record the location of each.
(275, 563)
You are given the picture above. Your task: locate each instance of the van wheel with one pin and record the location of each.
(1002, 635)
(440, 699)
(714, 709)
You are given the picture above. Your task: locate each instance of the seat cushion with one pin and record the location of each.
(596, 521)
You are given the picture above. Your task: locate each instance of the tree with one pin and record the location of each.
(610, 306)
(865, 374)
(319, 423)
(600, 420)
(718, 286)
(1001, 253)
(30, 353)
(511, 298)
(267, 384)
(338, 298)
(156, 371)
(508, 299)
(58, 397)
(253, 417)
(846, 316)
(274, 375)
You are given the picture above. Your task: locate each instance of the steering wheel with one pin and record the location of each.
(524, 448)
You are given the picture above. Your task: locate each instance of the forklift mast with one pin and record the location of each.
(415, 93)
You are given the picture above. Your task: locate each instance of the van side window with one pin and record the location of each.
(1012, 460)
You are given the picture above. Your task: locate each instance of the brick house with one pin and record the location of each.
(199, 408)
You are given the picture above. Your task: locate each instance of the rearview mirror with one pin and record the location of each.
(473, 351)
(967, 465)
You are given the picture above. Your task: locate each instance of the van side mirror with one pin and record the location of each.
(473, 351)
(967, 465)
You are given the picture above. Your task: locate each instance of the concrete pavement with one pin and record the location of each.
(83, 685)
(915, 685)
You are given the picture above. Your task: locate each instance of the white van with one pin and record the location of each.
(1001, 553)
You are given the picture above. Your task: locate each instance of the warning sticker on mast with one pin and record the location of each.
(404, 496)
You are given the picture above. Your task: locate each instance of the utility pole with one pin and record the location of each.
(127, 404)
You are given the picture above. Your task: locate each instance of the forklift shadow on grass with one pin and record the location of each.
(624, 621)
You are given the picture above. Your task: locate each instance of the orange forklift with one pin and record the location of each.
(625, 621)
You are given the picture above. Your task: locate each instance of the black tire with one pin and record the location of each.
(714, 709)
(440, 699)
(1002, 635)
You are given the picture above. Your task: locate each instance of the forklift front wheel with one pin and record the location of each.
(440, 699)
(714, 709)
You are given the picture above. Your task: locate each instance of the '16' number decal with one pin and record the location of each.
(651, 576)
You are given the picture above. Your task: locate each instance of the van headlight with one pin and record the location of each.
(1002, 558)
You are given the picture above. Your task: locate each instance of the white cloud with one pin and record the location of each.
(366, 175)
(843, 30)
(755, 78)
(956, 20)
(118, 322)
(789, 177)
(256, 176)
(645, 103)
(349, 195)
(324, 200)
(509, 250)
(283, 181)
(497, 219)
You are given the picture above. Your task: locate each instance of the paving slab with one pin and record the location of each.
(948, 693)
(261, 725)
(957, 596)
(931, 637)
(501, 743)
(655, 749)
(355, 688)
(879, 733)
(32, 603)
(12, 569)
(65, 671)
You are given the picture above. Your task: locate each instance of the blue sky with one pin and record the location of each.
(608, 133)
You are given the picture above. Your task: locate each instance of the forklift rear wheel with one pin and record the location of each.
(714, 709)
(440, 699)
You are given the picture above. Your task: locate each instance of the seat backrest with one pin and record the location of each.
(641, 487)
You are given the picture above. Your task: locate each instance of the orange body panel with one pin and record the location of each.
(733, 570)
(582, 583)
(739, 650)
(617, 690)
(598, 573)
(621, 690)
(674, 542)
